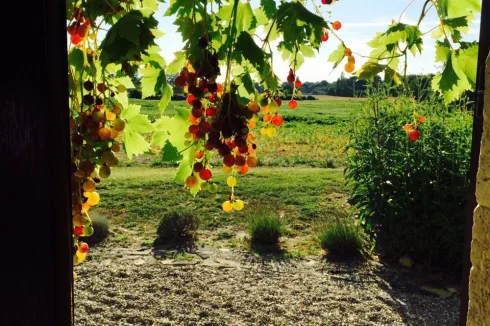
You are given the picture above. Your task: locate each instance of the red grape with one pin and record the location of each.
(205, 174)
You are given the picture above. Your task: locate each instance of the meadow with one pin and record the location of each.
(300, 176)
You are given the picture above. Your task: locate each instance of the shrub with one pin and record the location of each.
(411, 196)
(310, 97)
(101, 229)
(265, 227)
(177, 225)
(341, 240)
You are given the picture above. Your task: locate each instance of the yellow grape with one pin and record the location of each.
(227, 206)
(227, 169)
(111, 116)
(121, 88)
(74, 276)
(231, 181)
(116, 147)
(271, 132)
(85, 208)
(89, 186)
(273, 107)
(79, 258)
(186, 89)
(94, 173)
(116, 110)
(119, 124)
(105, 172)
(238, 205)
(263, 131)
(93, 198)
(114, 162)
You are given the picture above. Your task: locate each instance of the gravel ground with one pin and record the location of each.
(142, 288)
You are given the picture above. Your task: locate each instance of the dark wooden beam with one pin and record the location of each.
(475, 155)
(35, 218)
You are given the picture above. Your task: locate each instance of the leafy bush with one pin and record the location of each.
(310, 97)
(101, 229)
(177, 225)
(341, 240)
(411, 196)
(265, 227)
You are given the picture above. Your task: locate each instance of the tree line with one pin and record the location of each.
(420, 86)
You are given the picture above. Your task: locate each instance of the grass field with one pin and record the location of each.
(291, 178)
(315, 134)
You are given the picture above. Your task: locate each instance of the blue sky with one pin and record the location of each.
(360, 19)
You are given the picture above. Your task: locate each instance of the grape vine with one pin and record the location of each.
(223, 55)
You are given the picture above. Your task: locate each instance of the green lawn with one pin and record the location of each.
(291, 178)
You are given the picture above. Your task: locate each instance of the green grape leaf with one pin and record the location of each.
(126, 81)
(155, 59)
(170, 153)
(261, 16)
(136, 125)
(337, 56)
(183, 7)
(176, 65)
(467, 56)
(150, 4)
(369, 70)
(153, 81)
(171, 129)
(307, 51)
(128, 38)
(250, 50)
(299, 26)
(167, 92)
(458, 8)
(443, 51)
(75, 58)
(269, 7)
(183, 172)
(392, 75)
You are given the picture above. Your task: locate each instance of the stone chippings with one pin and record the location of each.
(225, 288)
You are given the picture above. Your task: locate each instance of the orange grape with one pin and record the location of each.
(349, 67)
(104, 134)
(198, 155)
(88, 186)
(407, 127)
(253, 106)
(277, 120)
(116, 110)
(252, 161)
(336, 25)
(351, 59)
(348, 52)
(191, 181)
(421, 119)
(267, 118)
(116, 147)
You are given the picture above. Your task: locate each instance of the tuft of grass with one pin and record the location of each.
(265, 227)
(225, 235)
(101, 229)
(177, 225)
(341, 240)
(121, 238)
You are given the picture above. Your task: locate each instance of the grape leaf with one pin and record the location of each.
(176, 65)
(167, 92)
(183, 172)
(170, 153)
(443, 51)
(153, 81)
(467, 56)
(136, 125)
(126, 81)
(337, 56)
(269, 7)
(369, 70)
(128, 38)
(458, 8)
(250, 50)
(171, 129)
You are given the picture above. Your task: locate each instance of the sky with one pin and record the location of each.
(360, 20)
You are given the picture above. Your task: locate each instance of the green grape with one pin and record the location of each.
(105, 172)
(213, 188)
(205, 186)
(88, 231)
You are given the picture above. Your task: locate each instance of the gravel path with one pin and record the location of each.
(138, 287)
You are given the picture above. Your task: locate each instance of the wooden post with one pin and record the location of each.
(475, 155)
(35, 218)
